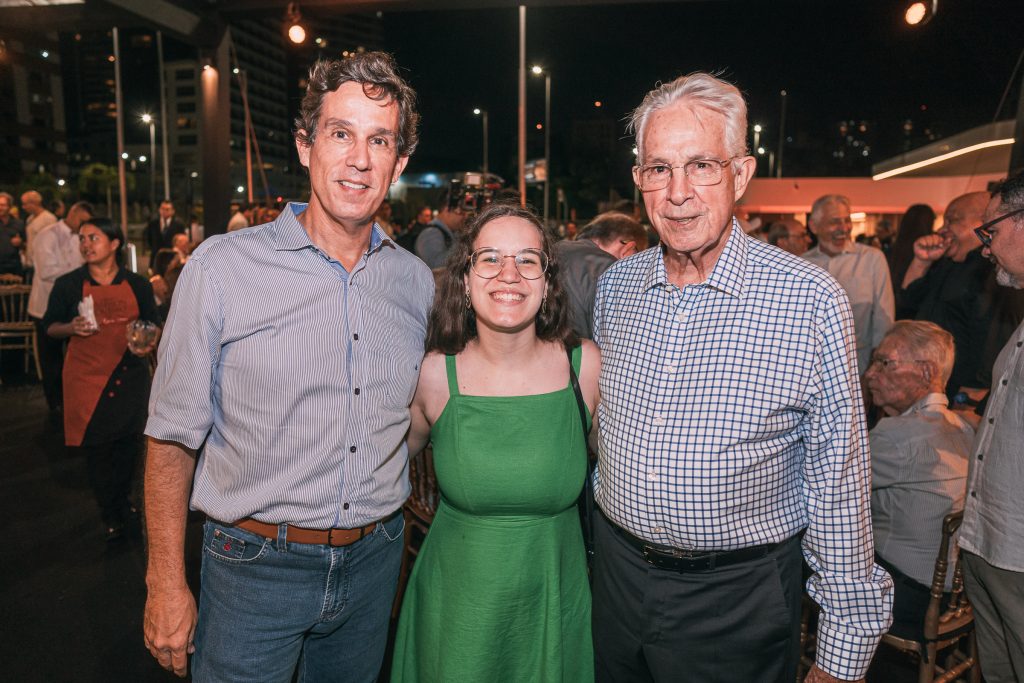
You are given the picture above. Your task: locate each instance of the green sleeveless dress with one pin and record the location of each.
(499, 591)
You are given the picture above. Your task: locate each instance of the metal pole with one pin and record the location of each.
(244, 87)
(152, 164)
(121, 182)
(163, 117)
(484, 111)
(782, 135)
(522, 105)
(547, 144)
(1017, 150)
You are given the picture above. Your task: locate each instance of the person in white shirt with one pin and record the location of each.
(918, 462)
(37, 219)
(54, 252)
(991, 536)
(861, 270)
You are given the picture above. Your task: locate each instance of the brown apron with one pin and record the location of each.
(92, 360)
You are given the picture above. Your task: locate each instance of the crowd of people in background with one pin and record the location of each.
(821, 389)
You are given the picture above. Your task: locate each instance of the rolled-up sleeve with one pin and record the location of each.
(182, 404)
(854, 594)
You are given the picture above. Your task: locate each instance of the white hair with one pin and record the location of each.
(697, 90)
(820, 203)
(929, 342)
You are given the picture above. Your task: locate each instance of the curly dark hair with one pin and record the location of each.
(378, 74)
(452, 325)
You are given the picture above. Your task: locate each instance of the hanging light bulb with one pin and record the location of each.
(293, 20)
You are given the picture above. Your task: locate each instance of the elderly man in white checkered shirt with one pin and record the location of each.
(731, 430)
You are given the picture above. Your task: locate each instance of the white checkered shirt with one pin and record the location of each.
(731, 416)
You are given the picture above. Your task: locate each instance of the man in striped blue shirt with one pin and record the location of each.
(288, 363)
(731, 430)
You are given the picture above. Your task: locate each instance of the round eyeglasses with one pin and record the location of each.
(700, 172)
(488, 262)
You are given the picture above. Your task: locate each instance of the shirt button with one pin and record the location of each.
(357, 391)
(356, 337)
(981, 456)
(658, 421)
(1005, 382)
(652, 476)
(117, 382)
(991, 420)
(111, 394)
(345, 506)
(657, 529)
(352, 449)
(974, 494)
(681, 317)
(670, 367)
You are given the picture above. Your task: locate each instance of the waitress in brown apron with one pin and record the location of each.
(106, 384)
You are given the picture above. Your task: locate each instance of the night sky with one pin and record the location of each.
(853, 60)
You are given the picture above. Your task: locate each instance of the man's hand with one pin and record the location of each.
(169, 623)
(931, 247)
(816, 675)
(168, 627)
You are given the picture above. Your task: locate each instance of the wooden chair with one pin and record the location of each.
(17, 331)
(945, 627)
(419, 512)
(10, 279)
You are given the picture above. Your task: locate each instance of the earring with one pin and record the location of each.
(469, 302)
(544, 304)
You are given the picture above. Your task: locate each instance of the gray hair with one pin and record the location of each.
(697, 90)
(8, 197)
(378, 74)
(821, 202)
(928, 342)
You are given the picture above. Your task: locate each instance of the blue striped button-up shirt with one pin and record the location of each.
(293, 375)
(731, 416)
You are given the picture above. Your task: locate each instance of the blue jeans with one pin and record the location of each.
(267, 606)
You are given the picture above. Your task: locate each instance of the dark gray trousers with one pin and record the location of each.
(735, 623)
(997, 596)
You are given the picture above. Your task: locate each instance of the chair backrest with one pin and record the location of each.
(940, 619)
(14, 303)
(10, 279)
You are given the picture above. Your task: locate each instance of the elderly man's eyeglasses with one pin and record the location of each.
(890, 363)
(982, 231)
(701, 172)
(488, 262)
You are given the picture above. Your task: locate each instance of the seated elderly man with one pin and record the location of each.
(918, 461)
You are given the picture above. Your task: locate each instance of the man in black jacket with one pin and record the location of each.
(161, 230)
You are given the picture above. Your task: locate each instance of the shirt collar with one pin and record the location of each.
(291, 236)
(728, 274)
(849, 247)
(928, 401)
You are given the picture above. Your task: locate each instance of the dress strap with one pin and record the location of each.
(453, 380)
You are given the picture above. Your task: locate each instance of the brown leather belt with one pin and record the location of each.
(296, 534)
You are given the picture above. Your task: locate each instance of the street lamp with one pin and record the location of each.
(483, 114)
(148, 119)
(537, 71)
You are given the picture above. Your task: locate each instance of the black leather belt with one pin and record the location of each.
(679, 560)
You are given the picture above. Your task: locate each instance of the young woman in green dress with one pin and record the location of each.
(499, 591)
